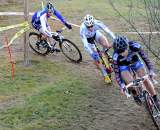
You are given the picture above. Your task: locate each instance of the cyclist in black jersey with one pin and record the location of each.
(129, 57)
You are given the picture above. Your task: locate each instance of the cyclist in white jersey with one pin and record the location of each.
(90, 32)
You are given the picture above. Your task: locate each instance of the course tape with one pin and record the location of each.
(14, 26)
(19, 33)
(14, 13)
(75, 25)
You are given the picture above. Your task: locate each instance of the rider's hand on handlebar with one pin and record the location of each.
(95, 56)
(123, 88)
(68, 25)
(153, 77)
(59, 31)
(152, 74)
(54, 34)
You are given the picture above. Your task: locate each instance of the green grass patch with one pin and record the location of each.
(46, 96)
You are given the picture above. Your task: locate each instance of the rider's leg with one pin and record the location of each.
(103, 71)
(128, 77)
(100, 38)
(126, 74)
(140, 70)
(148, 84)
(100, 66)
(44, 37)
(49, 40)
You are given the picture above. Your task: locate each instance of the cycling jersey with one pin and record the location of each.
(131, 61)
(40, 20)
(88, 37)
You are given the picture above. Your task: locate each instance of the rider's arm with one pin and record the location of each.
(84, 40)
(137, 47)
(59, 16)
(105, 29)
(44, 24)
(117, 72)
(147, 61)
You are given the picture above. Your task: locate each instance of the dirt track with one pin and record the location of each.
(107, 109)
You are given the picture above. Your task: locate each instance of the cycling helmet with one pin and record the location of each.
(120, 44)
(89, 20)
(49, 6)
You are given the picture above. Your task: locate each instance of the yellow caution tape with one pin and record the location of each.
(14, 26)
(19, 33)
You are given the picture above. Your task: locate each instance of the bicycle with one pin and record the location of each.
(106, 61)
(145, 99)
(68, 48)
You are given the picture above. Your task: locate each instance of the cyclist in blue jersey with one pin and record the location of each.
(127, 56)
(40, 21)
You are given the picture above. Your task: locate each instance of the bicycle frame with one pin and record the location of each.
(148, 100)
(103, 58)
(67, 47)
(57, 36)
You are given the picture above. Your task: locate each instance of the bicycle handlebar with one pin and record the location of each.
(134, 83)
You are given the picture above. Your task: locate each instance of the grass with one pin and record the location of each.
(50, 98)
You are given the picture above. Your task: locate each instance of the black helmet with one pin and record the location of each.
(120, 44)
(49, 6)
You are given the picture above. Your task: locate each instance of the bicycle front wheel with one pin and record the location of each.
(71, 51)
(152, 109)
(39, 46)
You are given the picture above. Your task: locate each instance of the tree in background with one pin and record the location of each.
(149, 12)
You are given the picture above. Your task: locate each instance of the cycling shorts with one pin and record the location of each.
(134, 67)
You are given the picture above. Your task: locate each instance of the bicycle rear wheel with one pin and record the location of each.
(39, 46)
(152, 109)
(71, 51)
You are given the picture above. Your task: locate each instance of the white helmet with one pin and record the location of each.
(89, 20)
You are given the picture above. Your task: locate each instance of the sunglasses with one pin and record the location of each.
(90, 26)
